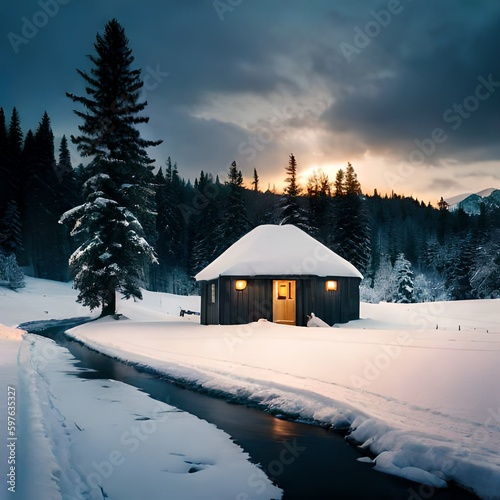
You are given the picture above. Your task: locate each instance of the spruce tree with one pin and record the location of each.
(206, 222)
(11, 274)
(3, 135)
(459, 267)
(319, 195)
(4, 172)
(171, 247)
(14, 166)
(119, 191)
(235, 222)
(339, 184)
(10, 229)
(69, 190)
(350, 235)
(404, 280)
(292, 211)
(351, 183)
(64, 165)
(109, 130)
(113, 253)
(45, 242)
(255, 182)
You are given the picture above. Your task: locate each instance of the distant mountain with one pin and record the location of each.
(471, 202)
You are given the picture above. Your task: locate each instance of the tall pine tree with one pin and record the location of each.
(172, 245)
(255, 182)
(4, 175)
(13, 163)
(350, 236)
(319, 194)
(404, 280)
(292, 211)
(235, 221)
(45, 242)
(119, 194)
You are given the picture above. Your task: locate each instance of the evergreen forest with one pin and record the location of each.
(118, 223)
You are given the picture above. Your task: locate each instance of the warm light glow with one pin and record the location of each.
(331, 285)
(240, 284)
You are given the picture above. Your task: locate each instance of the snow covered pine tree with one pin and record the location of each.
(118, 192)
(404, 278)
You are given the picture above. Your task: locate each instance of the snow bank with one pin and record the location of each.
(89, 438)
(10, 341)
(9, 333)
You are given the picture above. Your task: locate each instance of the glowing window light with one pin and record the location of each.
(331, 285)
(240, 285)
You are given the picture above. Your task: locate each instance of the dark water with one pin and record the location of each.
(308, 462)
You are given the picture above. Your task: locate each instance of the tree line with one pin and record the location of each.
(120, 225)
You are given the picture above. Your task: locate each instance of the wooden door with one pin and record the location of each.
(284, 302)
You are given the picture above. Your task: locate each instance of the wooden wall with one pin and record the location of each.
(234, 307)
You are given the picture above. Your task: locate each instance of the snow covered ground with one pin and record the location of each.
(79, 438)
(418, 383)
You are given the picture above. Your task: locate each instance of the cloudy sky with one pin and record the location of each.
(408, 91)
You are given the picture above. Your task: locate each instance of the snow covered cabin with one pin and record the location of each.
(282, 274)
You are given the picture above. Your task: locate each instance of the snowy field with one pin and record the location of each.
(79, 438)
(418, 383)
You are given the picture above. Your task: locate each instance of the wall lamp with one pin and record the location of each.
(240, 285)
(331, 285)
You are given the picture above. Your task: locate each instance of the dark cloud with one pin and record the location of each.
(409, 79)
(227, 77)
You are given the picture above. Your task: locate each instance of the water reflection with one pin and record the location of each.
(283, 429)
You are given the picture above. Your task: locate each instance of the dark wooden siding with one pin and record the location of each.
(339, 306)
(209, 311)
(245, 306)
(234, 307)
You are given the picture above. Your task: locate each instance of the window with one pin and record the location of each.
(284, 290)
(212, 293)
(331, 285)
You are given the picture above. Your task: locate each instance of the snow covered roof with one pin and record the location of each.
(271, 250)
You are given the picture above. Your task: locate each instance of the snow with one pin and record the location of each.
(278, 250)
(93, 439)
(40, 299)
(90, 439)
(417, 383)
(315, 322)
(455, 200)
(417, 380)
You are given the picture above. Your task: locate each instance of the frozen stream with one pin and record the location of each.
(306, 461)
